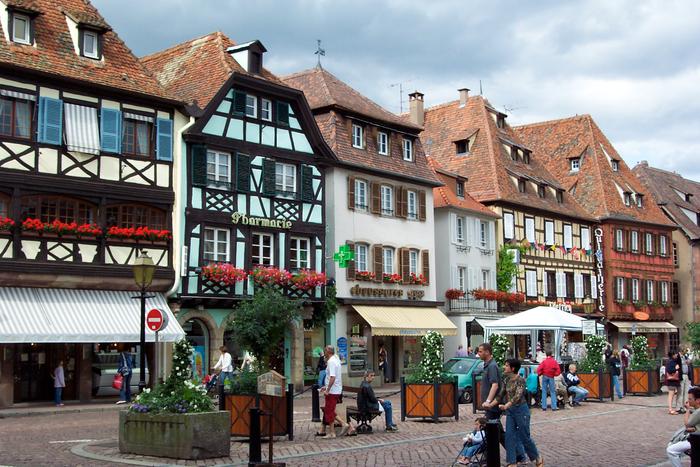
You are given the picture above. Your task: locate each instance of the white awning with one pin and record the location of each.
(406, 320)
(644, 327)
(79, 316)
(139, 117)
(82, 130)
(17, 95)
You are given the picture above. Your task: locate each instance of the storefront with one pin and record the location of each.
(658, 334)
(85, 329)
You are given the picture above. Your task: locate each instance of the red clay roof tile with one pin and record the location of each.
(446, 195)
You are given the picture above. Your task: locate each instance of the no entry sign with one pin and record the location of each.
(156, 320)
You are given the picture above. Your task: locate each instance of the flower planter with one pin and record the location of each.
(238, 406)
(598, 384)
(695, 375)
(433, 401)
(476, 394)
(180, 436)
(642, 382)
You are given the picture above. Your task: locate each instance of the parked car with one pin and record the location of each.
(464, 368)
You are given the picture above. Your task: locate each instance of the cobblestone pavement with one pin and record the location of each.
(630, 432)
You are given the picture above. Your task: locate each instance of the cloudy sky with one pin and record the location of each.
(633, 65)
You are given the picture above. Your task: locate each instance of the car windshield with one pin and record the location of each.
(459, 366)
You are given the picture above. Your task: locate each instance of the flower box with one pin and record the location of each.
(6, 225)
(429, 401)
(498, 296)
(454, 294)
(306, 279)
(139, 233)
(60, 229)
(642, 382)
(269, 275)
(364, 276)
(223, 273)
(417, 279)
(391, 278)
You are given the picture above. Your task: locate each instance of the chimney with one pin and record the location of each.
(463, 96)
(249, 56)
(415, 101)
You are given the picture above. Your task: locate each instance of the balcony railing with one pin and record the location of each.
(469, 303)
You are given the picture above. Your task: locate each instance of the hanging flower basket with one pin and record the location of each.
(365, 276)
(306, 279)
(391, 278)
(6, 224)
(223, 273)
(269, 275)
(454, 294)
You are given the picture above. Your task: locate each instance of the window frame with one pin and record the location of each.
(281, 188)
(568, 239)
(649, 290)
(413, 260)
(83, 50)
(254, 100)
(216, 181)
(639, 198)
(358, 136)
(619, 240)
(587, 244)
(383, 143)
(295, 245)
(156, 218)
(27, 40)
(485, 278)
(411, 206)
(528, 274)
(534, 230)
(259, 254)
(634, 241)
(505, 225)
(462, 278)
(575, 164)
(263, 110)
(627, 198)
(460, 189)
(634, 289)
(77, 205)
(664, 298)
(215, 242)
(407, 150)
(663, 246)
(360, 250)
(648, 243)
(619, 288)
(459, 230)
(13, 118)
(388, 260)
(549, 240)
(361, 200)
(615, 165)
(386, 192)
(483, 234)
(136, 123)
(674, 250)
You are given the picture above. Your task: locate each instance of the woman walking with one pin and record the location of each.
(59, 383)
(615, 364)
(673, 379)
(224, 365)
(517, 416)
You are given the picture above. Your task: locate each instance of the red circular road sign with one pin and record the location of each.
(156, 319)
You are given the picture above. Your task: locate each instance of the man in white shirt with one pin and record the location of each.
(225, 365)
(332, 389)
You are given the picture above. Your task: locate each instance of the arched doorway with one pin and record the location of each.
(197, 334)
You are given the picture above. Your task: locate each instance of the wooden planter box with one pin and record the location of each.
(598, 384)
(429, 400)
(180, 436)
(695, 375)
(476, 394)
(642, 382)
(239, 405)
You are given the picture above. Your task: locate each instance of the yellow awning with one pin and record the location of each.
(406, 320)
(644, 326)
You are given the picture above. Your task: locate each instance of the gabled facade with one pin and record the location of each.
(380, 207)
(254, 191)
(679, 199)
(87, 152)
(636, 235)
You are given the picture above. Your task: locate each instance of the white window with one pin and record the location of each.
(251, 106)
(649, 244)
(549, 232)
(462, 278)
(361, 195)
(459, 230)
(485, 279)
(663, 246)
(383, 143)
(21, 26)
(640, 200)
(285, 178)
(413, 261)
(218, 169)
(618, 239)
(388, 260)
(615, 165)
(530, 229)
(90, 44)
(575, 164)
(216, 244)
(358, 136)
(508, 225)
(483, 234)
(578, 285)
(561, 284)
(628, 198)
(531, 282)
(594, 286)
(299, 253)
(619, 288)
(664, 292)
(568, 237)
(635, 290)
(387, 195)
(585, 238)
(266, 110)
(412, 204)
(361, 257)
(261, 251)
(407, 150)
(634, 240)
(650, 291)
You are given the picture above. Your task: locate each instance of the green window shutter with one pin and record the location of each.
(283, 113)
(307, 183)
(268, 177)
(239, 99)
(164, 140)
(199, 165)
(111, 130)
(242, 172)
(50, 120)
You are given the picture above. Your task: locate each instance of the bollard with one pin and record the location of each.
(315, 404)
(694, 439)
(493, 448)
(222, 398)
(255, 451)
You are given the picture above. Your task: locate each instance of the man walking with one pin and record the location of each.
(333, 389)
(548, 370)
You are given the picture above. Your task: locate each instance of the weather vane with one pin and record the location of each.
(320, 52)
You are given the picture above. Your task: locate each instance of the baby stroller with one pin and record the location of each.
(210, 383)
(477, 459)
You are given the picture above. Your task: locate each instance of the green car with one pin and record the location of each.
(464, 368)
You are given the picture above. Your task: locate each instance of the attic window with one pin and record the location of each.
(501, 121)
(615, 165)
(460, 188)
(627, 197)
(688, 196)
(521, 185)
(540, 191)
(254, 62)
(514, 153)
(639, 198)
(526, 157)
(575, 164)
(560, 196)
(462, 147)
(21, 27)
(90, 44)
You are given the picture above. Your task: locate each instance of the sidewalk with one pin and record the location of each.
(29, 409)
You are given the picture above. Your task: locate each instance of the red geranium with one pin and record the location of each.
(498, 296)
(139, 233)
(306, 279)
(418, 279)
(270, 275)
(364, 276)
(223, 273)
(453, 294)
(391, 278)
(6, 223)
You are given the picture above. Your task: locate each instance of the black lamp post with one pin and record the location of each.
(143, 276)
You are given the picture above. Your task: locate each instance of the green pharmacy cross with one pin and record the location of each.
(344, 255)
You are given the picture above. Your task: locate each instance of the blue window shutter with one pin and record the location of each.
(50, 120)
(111, 130)
(164, 141)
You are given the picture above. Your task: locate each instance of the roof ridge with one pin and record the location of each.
(159, 53)
(554, 120)
(489, 142)
(222, 53)
(444, 104)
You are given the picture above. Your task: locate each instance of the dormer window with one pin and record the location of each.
(462, 147)
(407, 150)
(526, 157)
(615, 165)
(521, 185)
(560, 196)
(90, 44)
(639, 199)
(501, 121)
(21, 28)
(688, 196)
(627, 198)
(460, 188)
(575, 164)
(540, 191)
(514, 153)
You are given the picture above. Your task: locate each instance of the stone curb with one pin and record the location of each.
(58, 411)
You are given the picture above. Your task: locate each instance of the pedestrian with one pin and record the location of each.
(321, 368)
(59, 382)
(673, 379)
(247, 363)
(472, 442)
(461, 352)
(333, 390)
(685, 381)
(384, 366)
(548, 369)
(225, 365)
(691, 423)
(126, 369)
(517, 416)
(625, 356)
(470, 352)
(608, 352)
(367, 401)
(615, 365)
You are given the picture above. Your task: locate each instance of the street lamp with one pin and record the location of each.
(143, 276)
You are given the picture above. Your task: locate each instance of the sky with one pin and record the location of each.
(633, 65)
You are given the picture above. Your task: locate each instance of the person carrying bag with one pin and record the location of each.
(125, 370)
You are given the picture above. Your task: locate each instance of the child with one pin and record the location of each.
(473, 441)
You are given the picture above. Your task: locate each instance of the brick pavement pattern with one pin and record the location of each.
(630, 432)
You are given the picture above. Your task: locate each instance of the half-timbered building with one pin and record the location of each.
(86, 183)
(380, 208)
(253, 188)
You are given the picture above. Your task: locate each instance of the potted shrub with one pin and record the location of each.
(641, 378)
(176, 419)
(593, 371)
(427, 392)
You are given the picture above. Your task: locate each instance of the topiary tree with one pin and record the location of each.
(429, 370)
(595, 346)
(500, 346)
(640, 353)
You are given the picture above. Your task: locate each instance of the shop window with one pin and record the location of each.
(262, 250)
(299, 257)
(15, 117)
(50, 208)
(136, 136)
(216, 244)
(135, 215)
(197, 334)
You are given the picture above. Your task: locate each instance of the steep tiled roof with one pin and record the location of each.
(488, 167)
(446, 195)
(665, 186)
(55, 54)
(322, 89)
(196, 70)
(596, 184)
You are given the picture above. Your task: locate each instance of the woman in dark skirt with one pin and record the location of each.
(673, 379)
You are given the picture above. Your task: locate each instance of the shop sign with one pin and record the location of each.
(588, 327)
(386, 293)
(600, 278)
(343, 350)
(560, 306)
(240, 218)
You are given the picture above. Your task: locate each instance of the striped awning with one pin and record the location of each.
(643, 327)
(17, 95)
(82, 130)
(79, 316)
(406, 320)
(142, 118)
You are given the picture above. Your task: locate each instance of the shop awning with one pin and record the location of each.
(80, 316)
(644, 326)
(406, 320)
